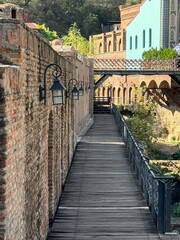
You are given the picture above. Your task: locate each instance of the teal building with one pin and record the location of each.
(149, 29)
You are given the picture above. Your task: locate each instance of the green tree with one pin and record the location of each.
(75, 39)
(18, 2)
(133, 2)
(161, 54)
(144, 117)
(59, 15)
(50, 35)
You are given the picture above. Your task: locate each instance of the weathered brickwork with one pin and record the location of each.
(37, 140)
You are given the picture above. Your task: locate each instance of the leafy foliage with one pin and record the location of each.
(143, 119)
(75, 39)
(133, 2)
(59, 15)
(50, 35)
(22, 3)
(176, 210)
(161, 54)
(166, 168)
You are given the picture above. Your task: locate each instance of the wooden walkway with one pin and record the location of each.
(101, 199)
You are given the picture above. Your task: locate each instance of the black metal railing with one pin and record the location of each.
(156, 189)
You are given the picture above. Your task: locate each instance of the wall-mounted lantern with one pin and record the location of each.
(81, 89)
(58, 89)
(74, 91)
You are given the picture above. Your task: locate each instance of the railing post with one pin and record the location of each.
(161, 207)
(167, 217)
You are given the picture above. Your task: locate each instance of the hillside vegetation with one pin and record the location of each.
(59, 15)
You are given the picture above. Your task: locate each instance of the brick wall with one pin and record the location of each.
(108, 45)
(123, 92)
(37, 140)
(128, 13)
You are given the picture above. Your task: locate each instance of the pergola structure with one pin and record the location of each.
(162, 95)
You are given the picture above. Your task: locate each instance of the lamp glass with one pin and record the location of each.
(75, 96)
(81, 91)
(58, 97)
(75, 93)
(58, 92)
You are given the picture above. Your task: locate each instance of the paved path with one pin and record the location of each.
(101, 199)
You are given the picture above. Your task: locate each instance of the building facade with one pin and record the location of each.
(153, 18)
(148, 31)
(162, 30)
(174, 23)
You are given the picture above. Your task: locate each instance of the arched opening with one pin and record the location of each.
(98, 92)
(130, 46)
(118, 95)
(109, 46)
(144, 38)
(103, 92)
(136, 42)
(164, 84)
(142, 92)
(130, 95)
(124, 96)
(152, 84)
(119, 45)
(108, 92)
(150, 37)
(100, 48)
(113, 94)
(13, 13)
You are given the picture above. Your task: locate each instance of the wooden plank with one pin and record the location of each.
(101, 199)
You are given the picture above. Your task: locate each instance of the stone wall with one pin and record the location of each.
(37, 140)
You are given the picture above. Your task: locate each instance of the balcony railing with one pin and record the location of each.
(156, 189)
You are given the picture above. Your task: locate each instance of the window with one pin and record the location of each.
(130, 95)
(100, 48)
(98, 92)
(118, 93)
(119, 48)
(103, 91)
(13, 13)
(109, 46)
(130, 43)
(144, 39)
(150, 37)
(114, 94)
(173, 5)
(136, 42)
(124, 96)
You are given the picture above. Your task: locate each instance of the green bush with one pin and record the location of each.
(161, 54)
(175, 210)
(143, 119)
(50, 35)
